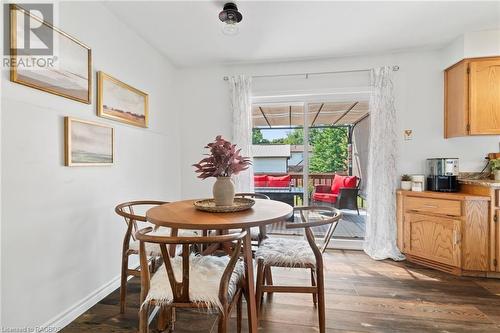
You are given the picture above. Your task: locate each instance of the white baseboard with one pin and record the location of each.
(65, 318)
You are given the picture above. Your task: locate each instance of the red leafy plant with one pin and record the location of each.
(224, 160)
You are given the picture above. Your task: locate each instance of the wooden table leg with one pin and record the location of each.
(251, 302)
(173, 247)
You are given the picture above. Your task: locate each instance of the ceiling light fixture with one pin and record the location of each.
(231, 17)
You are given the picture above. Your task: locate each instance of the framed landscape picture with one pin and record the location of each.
(64, 68)
(87, 143)
(119, 101)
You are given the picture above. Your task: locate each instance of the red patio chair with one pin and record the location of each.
(342, 194)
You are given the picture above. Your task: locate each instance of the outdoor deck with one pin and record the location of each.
(351, 226)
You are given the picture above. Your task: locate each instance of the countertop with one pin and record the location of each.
(480, 182)
(444, 195)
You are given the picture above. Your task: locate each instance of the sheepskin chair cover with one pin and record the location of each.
(205, 273)
(286, 252)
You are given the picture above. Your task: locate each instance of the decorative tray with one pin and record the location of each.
(208, 205)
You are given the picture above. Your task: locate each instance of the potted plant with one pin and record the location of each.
(223, 161)
(406, 182)
(495, 168)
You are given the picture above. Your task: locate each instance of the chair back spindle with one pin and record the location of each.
(307, 225)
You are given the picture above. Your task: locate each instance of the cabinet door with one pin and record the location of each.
(496, 235)
(484, 96)
(456, 115)
(434, 238)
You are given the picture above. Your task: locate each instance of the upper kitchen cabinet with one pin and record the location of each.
(472, 98)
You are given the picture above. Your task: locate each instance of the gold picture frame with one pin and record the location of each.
(131, 105)
(72, 79)
(84, 143)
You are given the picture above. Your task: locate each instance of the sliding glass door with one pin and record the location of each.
(303, 148)
(331, 176)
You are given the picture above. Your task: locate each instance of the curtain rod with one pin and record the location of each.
(394, 68)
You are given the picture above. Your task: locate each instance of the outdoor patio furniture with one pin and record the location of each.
(286, 195)
(266, 181)
(342, 194)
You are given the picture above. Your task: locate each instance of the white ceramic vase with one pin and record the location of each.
(223, 191)
(406, 185)
(496, 173)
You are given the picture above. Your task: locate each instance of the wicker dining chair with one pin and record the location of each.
(293, 253)
(130, 244)
(205, 281)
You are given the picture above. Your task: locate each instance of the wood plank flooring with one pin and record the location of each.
(362, 295)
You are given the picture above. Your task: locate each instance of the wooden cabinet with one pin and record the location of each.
(472, 97)
(433, 237)
(485, 188)
(445, 231)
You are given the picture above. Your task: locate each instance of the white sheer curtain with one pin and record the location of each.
(381, 233)
(240, 87)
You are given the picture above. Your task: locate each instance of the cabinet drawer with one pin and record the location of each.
(436, 206)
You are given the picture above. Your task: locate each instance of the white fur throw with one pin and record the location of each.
(285, 252)
(205, 273)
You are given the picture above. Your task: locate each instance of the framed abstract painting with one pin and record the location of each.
(87, 143)
(118, 101)
(63, 68)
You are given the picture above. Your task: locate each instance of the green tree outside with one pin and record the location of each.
(329, 146)
(329, 149)
(295, 137)
(257, 137)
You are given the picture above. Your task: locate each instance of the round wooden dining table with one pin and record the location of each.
(183, 215)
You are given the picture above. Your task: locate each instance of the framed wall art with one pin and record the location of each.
(63, 68)
(87, 143)
(119, 101)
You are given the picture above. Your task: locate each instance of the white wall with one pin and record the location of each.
(270, 165)
(61, 240)
(419, 103)
(471, 45)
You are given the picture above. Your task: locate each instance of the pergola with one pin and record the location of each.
(329, 114)
(320, 115)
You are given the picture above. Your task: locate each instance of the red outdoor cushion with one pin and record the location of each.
(338, 182)
(260, 181)
(283, 181)
(325, 197)
(350, 181)
(343, 181)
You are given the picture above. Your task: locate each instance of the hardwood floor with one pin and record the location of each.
(362, 295)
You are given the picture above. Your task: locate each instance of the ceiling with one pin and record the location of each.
(319, 114)
(189, 32)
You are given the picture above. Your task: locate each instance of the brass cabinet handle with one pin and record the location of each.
(430, 206)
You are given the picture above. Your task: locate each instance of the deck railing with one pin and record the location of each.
(297, 180)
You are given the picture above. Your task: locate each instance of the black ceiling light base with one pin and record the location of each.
(230, 14)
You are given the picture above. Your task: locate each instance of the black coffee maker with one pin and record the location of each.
(442, 174)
